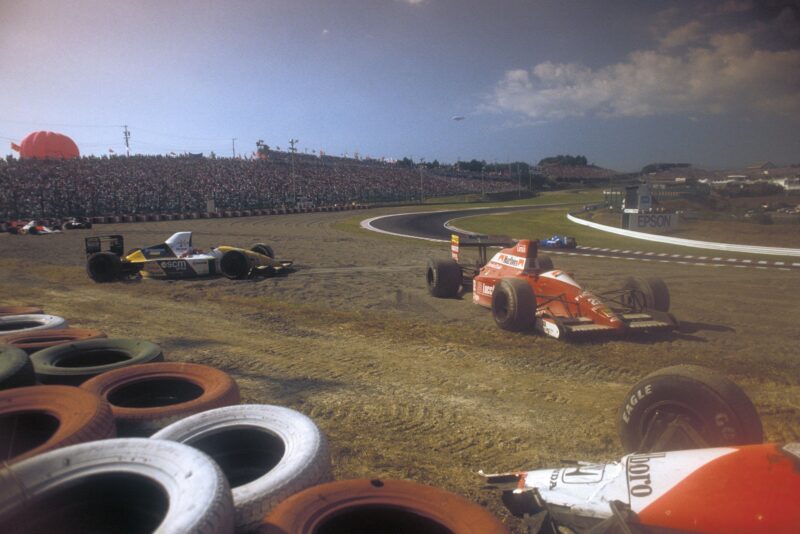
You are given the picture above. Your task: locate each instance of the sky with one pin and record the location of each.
(625, 83)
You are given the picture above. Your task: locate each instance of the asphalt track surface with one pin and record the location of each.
(439, 225)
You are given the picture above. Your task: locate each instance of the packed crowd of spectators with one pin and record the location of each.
(155, 184)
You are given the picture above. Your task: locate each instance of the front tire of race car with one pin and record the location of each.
(646, 293)
(103, 267)
(443, 278)
(686, 407)
(514, 305)
(261, 248)
(235, 265)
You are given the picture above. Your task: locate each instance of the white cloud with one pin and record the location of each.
(688, 33)
(726, 74)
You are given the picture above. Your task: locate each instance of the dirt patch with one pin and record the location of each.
(404, 385)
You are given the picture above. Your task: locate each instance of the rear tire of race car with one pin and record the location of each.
(545, 263)
(16, 369)
(267, 453)
(261, 248)
(649, 293)
(117, 485)
(37, 419)
(715, 408)
(74, 363)
(379, 506)
(103, 267)
(146, 398)
(514, 305)
(235, 265)
(443, 278)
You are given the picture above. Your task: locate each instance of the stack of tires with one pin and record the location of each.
(116, 439)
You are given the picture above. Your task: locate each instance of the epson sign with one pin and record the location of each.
(653, 222)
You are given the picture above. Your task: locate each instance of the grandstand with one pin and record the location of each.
(91, 186)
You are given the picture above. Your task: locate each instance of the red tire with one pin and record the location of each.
(30, 342)
(379, 506)
(146, 398)
(36, 419)
(21, 310)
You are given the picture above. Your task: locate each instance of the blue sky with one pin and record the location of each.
(713, 83)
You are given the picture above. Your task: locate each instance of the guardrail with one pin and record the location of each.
(707, 245)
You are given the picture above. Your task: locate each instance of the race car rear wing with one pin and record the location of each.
(113, 243)
(481, 242)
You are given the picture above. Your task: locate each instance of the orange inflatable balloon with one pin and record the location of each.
(48, 145)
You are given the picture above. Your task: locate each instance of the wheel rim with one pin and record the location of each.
(500, 306)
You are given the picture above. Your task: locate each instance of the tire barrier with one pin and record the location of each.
(37, 419)
(74, 363)
(146, 398)
(117, 485)
(267, 453)
(16, 369)
(20, 310)
(379, 506)
(37, 340)
(716, 408)
(17, 324)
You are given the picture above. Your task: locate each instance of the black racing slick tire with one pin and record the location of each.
(104, 267)
(264, 249)
(235, 265)
(74, 363)
(123, 485)
(267, 453)
(545, 263)
(686, 407)
(443, 278)
(646, 293)
(514, 305)
(16, 369)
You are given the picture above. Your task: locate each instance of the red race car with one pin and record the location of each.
(697, 464)
(524, 291)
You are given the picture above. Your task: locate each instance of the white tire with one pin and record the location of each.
(18, 324)
(127, 484)
(267, 452)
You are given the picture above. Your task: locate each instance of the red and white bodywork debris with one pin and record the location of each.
(747, 489)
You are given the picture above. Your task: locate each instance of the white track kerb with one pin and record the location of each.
(707, 245)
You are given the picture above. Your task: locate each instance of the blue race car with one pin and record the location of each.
(558, 241)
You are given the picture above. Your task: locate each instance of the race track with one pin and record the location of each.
(439, 225)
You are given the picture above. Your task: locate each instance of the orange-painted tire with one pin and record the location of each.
(379, 506)
(21, 310)
(36, 419)
(146, 398)
(30, 342)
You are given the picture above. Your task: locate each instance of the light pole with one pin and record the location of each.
(421, 189)
(292, 150)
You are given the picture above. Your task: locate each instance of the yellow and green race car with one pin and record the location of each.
(176, 258)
